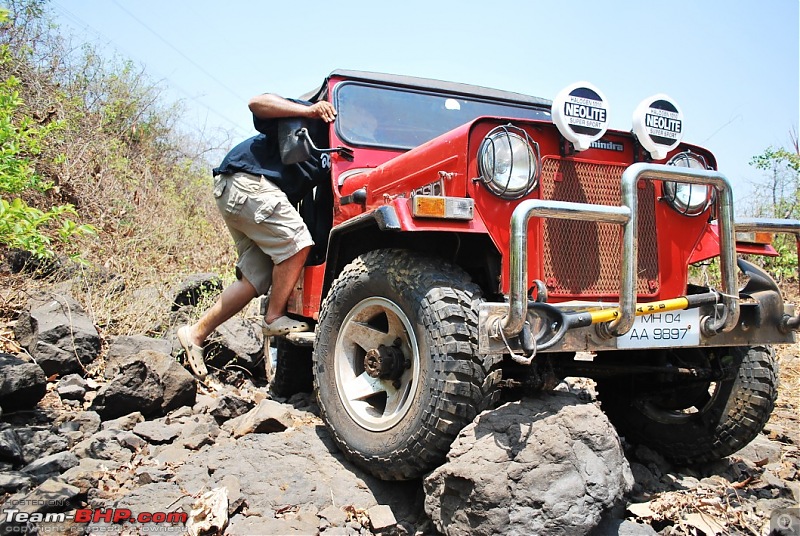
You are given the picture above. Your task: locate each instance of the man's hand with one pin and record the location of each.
(323, 110)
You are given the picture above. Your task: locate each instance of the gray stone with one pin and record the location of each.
(549, 465)
(619, 527)
(10, 448)
(53, 464)
(229, 406)
(131, 441)
(88, 473)
(126, 422)
(71, 387)
(38, 441)
(760, 449)
(22, 384)
(179, 386)
(59, 334)
(195, 288)
(237, 341)
(103, 446)
(171, 454)
(86, 422)
(13, 481)
(151, 475)
(195, 442)
(267, 417)
(122, 347)
(381, 517)
(134, 388)
(157, 432)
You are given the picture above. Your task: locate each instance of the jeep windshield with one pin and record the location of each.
(401, 118)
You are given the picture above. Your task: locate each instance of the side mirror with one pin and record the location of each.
(294, 148)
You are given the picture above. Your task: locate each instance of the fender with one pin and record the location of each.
(707, 246)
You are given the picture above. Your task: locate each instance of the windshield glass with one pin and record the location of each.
(404, 118)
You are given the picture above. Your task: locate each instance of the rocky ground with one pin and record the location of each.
(119, 426)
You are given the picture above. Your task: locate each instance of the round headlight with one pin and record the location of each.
(508, 162)
(688, 199)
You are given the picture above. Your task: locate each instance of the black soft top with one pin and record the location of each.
(428, 83)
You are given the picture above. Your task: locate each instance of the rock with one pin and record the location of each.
(131, 441)
(150, 475)
(267, 417)
(126, 422)
(52, 496)
(196, 288)
(88, 473)
(10, 448)
(22, 384)
(58, 334)
(86, 422)
(157, 431)
(179, 386)
(71, 387)
(760, 449)
(40, 441)
(171, 454)
(123, 347)
(135, 388)
(549, 465)
(619, 527)
(381, 517)
(50, 465)
(13, 481)
(103, 446)
(237, 341)
(229, 406)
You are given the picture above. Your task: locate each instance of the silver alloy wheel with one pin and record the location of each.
(375, 404)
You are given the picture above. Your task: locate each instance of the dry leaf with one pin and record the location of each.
(709, 525)
(641, 510)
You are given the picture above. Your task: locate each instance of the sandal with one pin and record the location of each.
(283, 325)
(194, 353)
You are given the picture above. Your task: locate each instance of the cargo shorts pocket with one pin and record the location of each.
(266, 210)
(219, 186)
(236, 200)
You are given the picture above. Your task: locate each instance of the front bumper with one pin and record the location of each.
(502, 326)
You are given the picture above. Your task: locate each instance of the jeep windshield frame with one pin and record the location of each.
(401, 118)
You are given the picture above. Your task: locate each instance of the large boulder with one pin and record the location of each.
(58, 334)
(149, 382)
(549, 465)
(134, 388)
(22, 384)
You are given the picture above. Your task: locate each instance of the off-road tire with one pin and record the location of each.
(733, 416)
(453, 383)
(292, 371)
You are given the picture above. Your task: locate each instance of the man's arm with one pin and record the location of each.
(269, 106)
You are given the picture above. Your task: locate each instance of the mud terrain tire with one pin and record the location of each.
(701, 424)
(393, 302)
(291, 372)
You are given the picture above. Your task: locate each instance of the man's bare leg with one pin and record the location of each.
(232, 300)
(284, 276)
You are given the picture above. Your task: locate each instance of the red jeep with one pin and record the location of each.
(474, 242)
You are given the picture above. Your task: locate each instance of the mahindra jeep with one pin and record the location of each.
(476, 245)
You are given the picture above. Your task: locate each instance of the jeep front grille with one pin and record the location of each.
(583, 258)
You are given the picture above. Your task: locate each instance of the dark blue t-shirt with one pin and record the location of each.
(260, 155)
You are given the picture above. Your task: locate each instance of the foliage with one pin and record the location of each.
(21, 139)
(87, 143)
(779, 195)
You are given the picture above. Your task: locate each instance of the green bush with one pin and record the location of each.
(23, 226)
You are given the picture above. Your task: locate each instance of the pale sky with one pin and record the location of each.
(731, 65)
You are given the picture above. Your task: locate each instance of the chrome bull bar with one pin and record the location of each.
(773, 225)
(511, 324)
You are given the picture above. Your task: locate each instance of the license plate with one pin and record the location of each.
(677, 328)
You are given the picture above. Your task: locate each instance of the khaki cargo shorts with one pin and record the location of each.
(265, 226)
